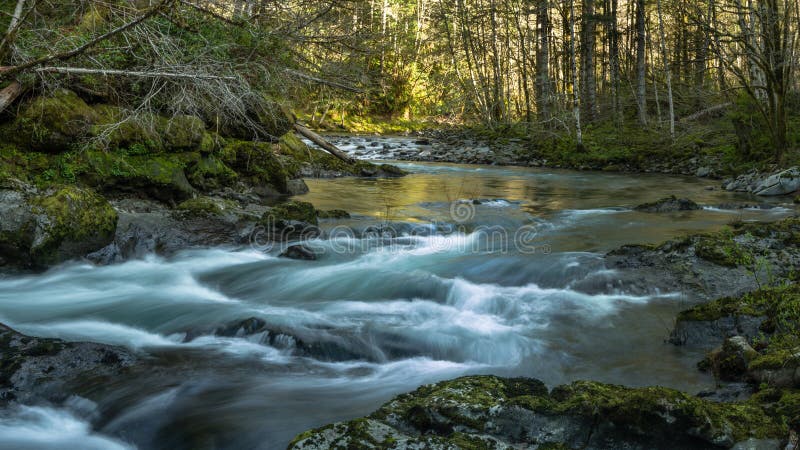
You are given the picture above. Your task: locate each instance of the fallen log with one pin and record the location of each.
(9, 94)
(706, 112)
(319, 140)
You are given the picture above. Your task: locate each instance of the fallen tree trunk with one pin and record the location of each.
(133, 73)
(706, 112)
(9, 94)
(319, 140)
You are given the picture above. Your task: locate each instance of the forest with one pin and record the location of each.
(399, 224)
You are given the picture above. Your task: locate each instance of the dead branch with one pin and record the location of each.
(133, 73)
(63, 56)
(706, 112)
(304, 76)
(319, 140)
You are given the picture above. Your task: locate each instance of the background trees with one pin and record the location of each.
(649, 65)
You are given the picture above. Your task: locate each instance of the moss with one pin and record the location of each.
(257, 162)
(201, 206)
(722, 249)
(291, 211)
(53, 123)
(334, 214)
(456, 414)
(75, 217)
(182, 133)
(209, 173)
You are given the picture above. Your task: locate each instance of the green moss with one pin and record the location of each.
(256, 162)
(334, 214)
(74, 216)
(209, 173)
(53, 123)
(182, 133)
(201, 206)
(722, 249)
(291, 211)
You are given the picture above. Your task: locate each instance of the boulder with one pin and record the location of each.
(38, 229)
(730, 361)
(669, 204)
(781, 183)
(492, 412)
(37, 369)
(299, 252)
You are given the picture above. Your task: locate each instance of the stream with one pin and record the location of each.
(451, 270)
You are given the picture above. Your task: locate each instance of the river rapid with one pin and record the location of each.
(451, 270)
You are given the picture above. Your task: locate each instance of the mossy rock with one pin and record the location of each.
(182, 133)
(271, 119)
(723, 250)
(53, 123)
(77, 221)
(257, 163)
(206, 206)
(487, 411)
(292, 211)
(209, 173)
(159, 176)
(334, 214)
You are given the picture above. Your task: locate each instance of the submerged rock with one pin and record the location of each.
(669, 204)
(38, 369)
(299, 252)
(492, 412)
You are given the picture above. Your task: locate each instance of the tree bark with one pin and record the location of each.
(319, 140)
(641, 62)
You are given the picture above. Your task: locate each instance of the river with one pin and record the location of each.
(423, 283)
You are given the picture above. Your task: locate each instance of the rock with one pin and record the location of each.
(334, 214)
(491, 412)
(703, 172)
(730, 361)
(291, 220)
(38, 229)
(299, 252)
(782, 183)
(669, 204)
(38, 369)
(711, 333)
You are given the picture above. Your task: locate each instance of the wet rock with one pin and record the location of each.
(38, 369)
(730, 361)
(299, 252)
(669, 204)
(703, 172)
(334, 214)
(491, 412)
(41, 228)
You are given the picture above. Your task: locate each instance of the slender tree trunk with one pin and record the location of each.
(543, 88)
(588, 48)
(667, 72)
(641, 62)
(576, 101)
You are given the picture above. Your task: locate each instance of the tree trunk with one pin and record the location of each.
(641, 62)
(576, 101)
(319, 140)
(543, 89)
(667, 72)
(588, 48)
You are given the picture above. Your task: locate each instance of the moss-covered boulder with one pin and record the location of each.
(38, 229)
(491, 412)
(266, 120)
(292, 211)
(52, 123)
(762, 330)
(209, 173)
(257, 164)
(159, 176)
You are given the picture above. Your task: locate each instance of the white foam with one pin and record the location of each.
(34, 427)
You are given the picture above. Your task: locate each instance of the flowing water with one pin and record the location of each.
(421, 284)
